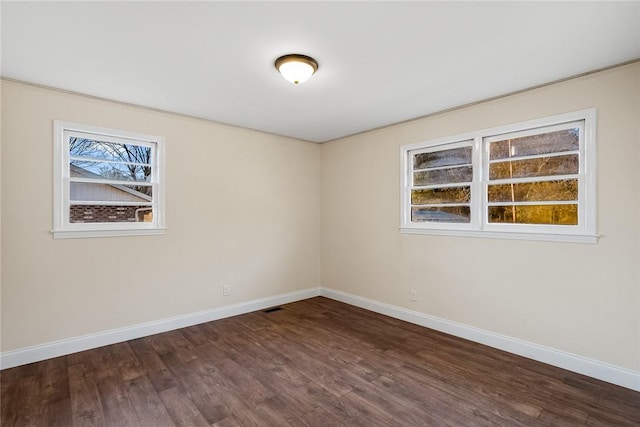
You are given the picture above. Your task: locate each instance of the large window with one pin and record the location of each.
(532, 180)
(106, 182)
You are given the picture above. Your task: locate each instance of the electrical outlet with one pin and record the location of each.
(226, 290)
(413, 295)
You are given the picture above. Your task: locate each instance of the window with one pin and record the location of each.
(532, 180)
(106, 182)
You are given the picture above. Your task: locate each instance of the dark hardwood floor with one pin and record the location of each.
(315, 362)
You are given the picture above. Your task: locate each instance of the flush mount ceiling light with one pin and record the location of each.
(296, 68)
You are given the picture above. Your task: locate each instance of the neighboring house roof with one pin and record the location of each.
(80, 172)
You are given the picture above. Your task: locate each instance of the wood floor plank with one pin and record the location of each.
(147, 404)
(320, 417)
(127, 362)
(21, 402)
(613, 405)
(181, 409)
(153, 366)
(230, 421)
(438, 373)
(607, 419)
(316, 362)
(116, 403)
(189, 379)
(341, 407)
(274, 411)
(86, 407)
(196, 335)
(552, 417)
(55, 414)
(181, 346)
(54, 384)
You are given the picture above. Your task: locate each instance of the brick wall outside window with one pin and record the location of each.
(102, 213)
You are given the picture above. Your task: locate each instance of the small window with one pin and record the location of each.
(107, 182)
(533, 180)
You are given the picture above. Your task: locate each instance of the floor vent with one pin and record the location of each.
(272, 309)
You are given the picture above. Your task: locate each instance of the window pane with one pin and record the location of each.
(103, 170)
(100, 150)
(544, 166)
(441, 195)
(108, 214)
(534, 191)
(443, 176)
(441, 214)
(535, 214)
(434, 159)
(83, 191)
(551, 142)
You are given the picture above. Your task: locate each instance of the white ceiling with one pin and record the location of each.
(380, 62)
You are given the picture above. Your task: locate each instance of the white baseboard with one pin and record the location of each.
(37, 353)
(571, 362)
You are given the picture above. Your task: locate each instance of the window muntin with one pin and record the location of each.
(533, 178)
(107, 182)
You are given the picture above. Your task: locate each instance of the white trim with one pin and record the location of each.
(10, 359)
(108, 135)
(113, 182)
(79, 234)
(98, 160)
(555, 237)
(531, 157)
(572, 362)
(108, 203)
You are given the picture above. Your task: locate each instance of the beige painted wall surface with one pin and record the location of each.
(0, 219)
(579, 298)
(242, 209)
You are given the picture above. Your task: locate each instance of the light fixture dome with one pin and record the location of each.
(296, 68)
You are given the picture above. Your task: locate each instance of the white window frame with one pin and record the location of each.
(62, 227)
(584, 232)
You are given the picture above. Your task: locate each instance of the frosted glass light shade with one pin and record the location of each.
(296, 68)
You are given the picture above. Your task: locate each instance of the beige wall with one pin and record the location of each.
(579, 298)
(242, 209)
(1, 221)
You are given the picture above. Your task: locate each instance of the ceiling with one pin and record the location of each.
(380, 62)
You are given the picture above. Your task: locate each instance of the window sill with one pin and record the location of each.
(80, 234)
(567, 238)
